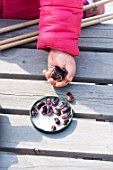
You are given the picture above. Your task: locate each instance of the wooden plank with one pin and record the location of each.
(99, 33)
(101, 30)
(13, 161)
(91, 37)
(85, 44)
(8, 22)
(91, 101)
(96, 44)
(29, 64)
(106, 26)
(23, 61)
(83, 138)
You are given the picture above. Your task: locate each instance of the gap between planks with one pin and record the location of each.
(20, 95)
(98, 117)
(41, 77)
(53, 153)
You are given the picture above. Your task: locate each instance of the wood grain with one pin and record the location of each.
(93, 34)
(90, 100)
(29, 64)
(13, 161)
(83, 138)
(89, 137)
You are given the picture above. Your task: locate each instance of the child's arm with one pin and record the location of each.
(60, 25)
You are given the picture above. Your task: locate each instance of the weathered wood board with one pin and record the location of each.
(12, 161)
(82, 136)
(89, 99)
(29, 64)
(97, 37)
(22, 83)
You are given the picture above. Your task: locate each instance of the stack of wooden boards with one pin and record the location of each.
(89, 138)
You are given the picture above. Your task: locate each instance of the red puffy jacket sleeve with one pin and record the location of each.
(60, 25)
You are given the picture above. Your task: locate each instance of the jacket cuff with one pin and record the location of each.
(50, 42)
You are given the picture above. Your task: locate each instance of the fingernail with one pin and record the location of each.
(44, 71)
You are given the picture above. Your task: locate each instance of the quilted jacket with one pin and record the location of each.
(60, 21)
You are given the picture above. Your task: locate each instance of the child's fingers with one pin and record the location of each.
(47, 74)
(52, 81)
(44, 71)
(69, 78)
(71, 73)
(62, 83)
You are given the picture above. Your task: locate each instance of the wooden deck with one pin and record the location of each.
(87, 144)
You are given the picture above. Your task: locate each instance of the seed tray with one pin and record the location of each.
(46, 123)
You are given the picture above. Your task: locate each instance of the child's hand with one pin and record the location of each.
(63, 60)
(96, 11)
